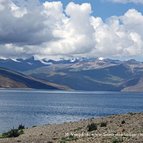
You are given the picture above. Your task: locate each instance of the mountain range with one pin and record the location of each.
(90, 74)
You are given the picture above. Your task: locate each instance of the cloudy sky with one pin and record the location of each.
(49, 29)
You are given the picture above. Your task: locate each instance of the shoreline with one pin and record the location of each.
(113, 129)
(70, 90)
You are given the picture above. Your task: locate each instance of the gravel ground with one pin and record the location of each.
(126, 128)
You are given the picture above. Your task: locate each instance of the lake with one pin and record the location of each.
(37, 107)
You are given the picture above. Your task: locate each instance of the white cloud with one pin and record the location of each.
(50, 30)
(128, 1)
(119, 36)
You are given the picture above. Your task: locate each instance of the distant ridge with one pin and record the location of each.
(87, 74)
(13, 79)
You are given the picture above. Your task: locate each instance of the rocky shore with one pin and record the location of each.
(127, 128)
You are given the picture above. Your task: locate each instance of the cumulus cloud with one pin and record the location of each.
(119, 36)
(128, 1)
(29, 28)
(21, 26)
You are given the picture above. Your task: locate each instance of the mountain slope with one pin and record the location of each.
(134, 85)
(100, 79)
(9, 83)
(92, 74)
(12, 79)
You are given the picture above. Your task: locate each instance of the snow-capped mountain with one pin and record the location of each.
(82, 73)
(79, 62)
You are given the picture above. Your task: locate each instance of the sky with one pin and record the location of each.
(78, 28)
(107, 8)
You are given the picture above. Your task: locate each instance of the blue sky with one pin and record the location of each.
(105, 8)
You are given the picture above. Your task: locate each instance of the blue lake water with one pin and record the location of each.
(36, 107)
